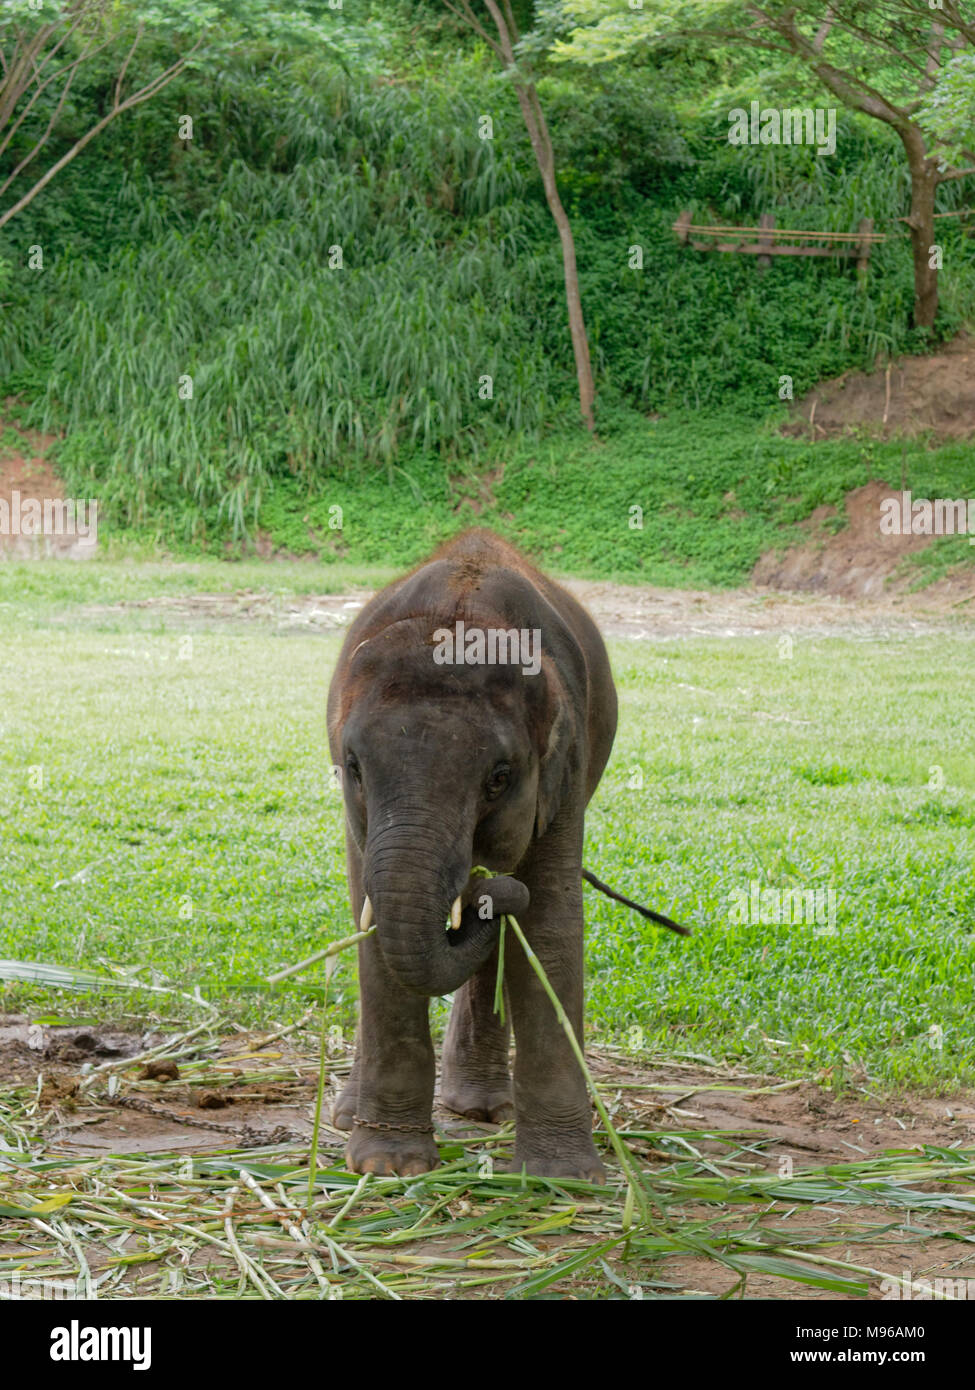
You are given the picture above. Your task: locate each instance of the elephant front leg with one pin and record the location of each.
(395, 1069)
(344, 1109)
(553, 1113)
(476, 1082)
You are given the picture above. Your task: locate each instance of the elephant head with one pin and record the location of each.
(445, 767)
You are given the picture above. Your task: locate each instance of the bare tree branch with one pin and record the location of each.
(933, 66)
(511, 22)
(958, 21)
(32, 154)
(822, 33)
(842, 21)
(468, 17)
(88, 52)
(27, 69)
(125, 65)
(119, 105)
(504, 35)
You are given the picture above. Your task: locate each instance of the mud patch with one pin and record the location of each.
(796, 1119)
(27, 1049)
(251, 1082)
(101, 1097)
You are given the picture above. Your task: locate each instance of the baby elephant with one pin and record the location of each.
(472, 712)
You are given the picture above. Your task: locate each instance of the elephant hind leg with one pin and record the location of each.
(347, 1103)
(475, 1079)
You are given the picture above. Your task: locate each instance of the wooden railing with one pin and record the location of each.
(771, 240)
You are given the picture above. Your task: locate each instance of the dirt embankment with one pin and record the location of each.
(27, 476)
(914, 395)
(932, 396)
(860, 561)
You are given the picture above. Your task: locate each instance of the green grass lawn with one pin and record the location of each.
(187, 764)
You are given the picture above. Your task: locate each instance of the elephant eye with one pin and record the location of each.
(498, 781)
(353, 769)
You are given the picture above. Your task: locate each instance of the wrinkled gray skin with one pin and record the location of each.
(446, 767)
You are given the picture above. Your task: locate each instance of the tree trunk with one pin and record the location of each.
(545, 158)
(534, 117)
(924, 182)
(857, 91)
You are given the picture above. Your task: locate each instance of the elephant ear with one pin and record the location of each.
(560, 752)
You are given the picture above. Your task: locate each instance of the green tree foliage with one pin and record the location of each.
(884, 60)
(42, 53)
(948, 111)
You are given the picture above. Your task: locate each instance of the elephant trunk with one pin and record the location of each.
(412, 880)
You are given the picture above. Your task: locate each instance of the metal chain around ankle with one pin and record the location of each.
(381, 1124)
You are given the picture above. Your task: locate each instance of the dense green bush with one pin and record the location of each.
(212, 263)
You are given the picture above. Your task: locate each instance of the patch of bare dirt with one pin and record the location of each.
(801, 1120)
(644, 612)
(317, 612)
(933, 395)
(24, 469)
(637, 611)
(29, 1048)
(477, 492)
(276, 1085)
(157, 1107)
(912, 396)
(859, 561)
(791, 1126)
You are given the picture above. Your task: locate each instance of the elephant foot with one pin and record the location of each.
(390, 1152)
(492, 1103)
(580, 1163)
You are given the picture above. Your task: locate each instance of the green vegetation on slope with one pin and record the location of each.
(684, 500)
(213, 265)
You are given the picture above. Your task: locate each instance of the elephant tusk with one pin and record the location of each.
(455, 912)
(365, 918)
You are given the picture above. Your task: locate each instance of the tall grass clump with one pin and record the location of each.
(371, 299)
